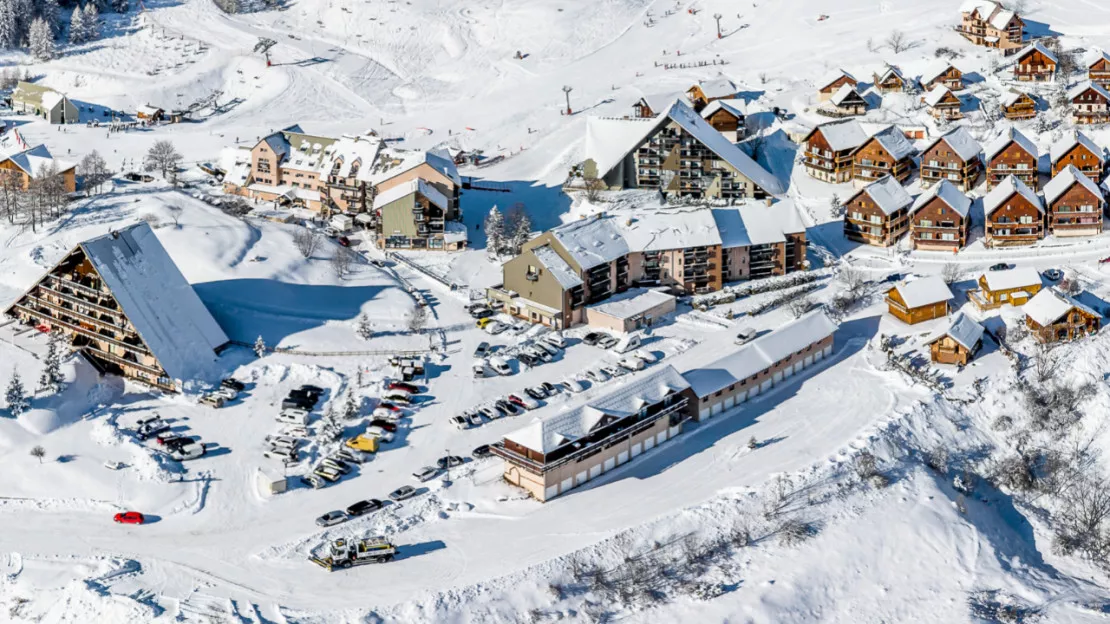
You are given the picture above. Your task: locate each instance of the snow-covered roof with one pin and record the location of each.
(351, 153)
(1006, 189)
(1050, 305)
(736, 107)
(965, 331)
(1101, 55)
(392, 162)
(161, 305)
(236, 163)
(1001, 18)
(1007, 279)
(278, 145)
(833, 76)
(609, 140)
(888, 194)
(631, 303)
(417, 185)
(924, 291)
(842, 135)
(1061, 148)
(985, 7)
(1012, 134)
(891, 71)
(937, 95)
(895, 143)
(37, 161)
(662, 229)
(560, 270)
(148, 110)
(757, 224)
(960, 140)
(454, 232)
(947, 193)
(1010, 98)
(1036, 46)
(845, 92)
(592, 241)
(553, 431)
(718, 88)
(1064, 180)
(1082, 87)
(657, 102)
(760, 354)
(935, 70)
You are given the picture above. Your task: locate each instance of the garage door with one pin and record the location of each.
(827, 351)
(808, 361)
(637, 448)
(581, 478)
(730, 402)
(718, 408)
(595, 471)
(765, 386)
(609, 464)
(622, 457)
(703, 413)
(661, 437)
(566, 485)
(754, 391)
(649, 443)
(551, 492)
(778, 377)
(740, 398)
(675, 431)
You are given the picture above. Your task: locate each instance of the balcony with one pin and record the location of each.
(92, 320)
(79, 287)
(137, 349)
(122, 361)
(99, 309)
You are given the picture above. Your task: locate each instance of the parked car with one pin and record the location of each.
(288, 455)
(305, 394)
(341, 466)
(298, 403)
(745, 335)
(607, 342)
(475, 419)
(490, 412)
(547, 348)
(613, 371)
(402, 493)
(398, 397)
(311, 389)
(555, 339)
(479, 369)
(380, 434)
(293, 416)
(481, 451)
(628, 342)
(483, 313)
(1053, 275)
(406, 387)
(481, 351)
(363, 507)
(343, 241)
(631, 363)
(190, 450)
(352, 456)
(460, 422)
(482, 323)
(129, 517)
(331, 518)
(549, 388)
(328, 472)
(167, 437)
(506, 407)
(596, 374)
(495, 328)
(152, 429)
(427, 473)
(384, 414)
(229, 394)
(388, 425)
(331, 232)
(528, 360)
(573, 385)
(1001, 266)
(313, 481)
(535, 351)
(386, 405)
(592, 338)
(450, 461)
(519, 328)
(500, 366)
(213, 400)
(536, 393)
(526, 402)
(234, 384)
(646, 356)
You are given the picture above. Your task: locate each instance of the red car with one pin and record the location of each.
(129, 517)
(343, 240)
(1104, 260)
(384, 424)
(391, 407)
(407, 387)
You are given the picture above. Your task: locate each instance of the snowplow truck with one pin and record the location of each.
(343, 553)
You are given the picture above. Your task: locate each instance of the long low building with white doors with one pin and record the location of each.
(761, 364)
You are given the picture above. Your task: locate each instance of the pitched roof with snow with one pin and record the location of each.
(736, 107)
(161, 305)
(1064, 180)
(760, 354)
(592, 241)
(560, 270)
(937, 95)
(924, 291)
(1011, 135)
(663, 229)
(658, 102)
(1102, 55)
(37, 161)
(1050, 305)
(842, 135)
(609, 140)
(757, 224)
(351, 153)
(947, 193)
(718, 88)
(393, 162)
(1010, 98)
(844, 93)
(833, 76)
(965, 331)
(417, 185)
(1061, 148)
(1006, 189)
(1036, 46)
(960, 141)
(986, 8)
(558, 429)
(895, 143)
(1082, 88)
(1008, 279)
(888, 194)
(935, 70)
(891, 71)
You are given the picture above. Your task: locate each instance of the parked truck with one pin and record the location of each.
(343, 553)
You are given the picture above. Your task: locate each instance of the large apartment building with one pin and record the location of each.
(692, 250)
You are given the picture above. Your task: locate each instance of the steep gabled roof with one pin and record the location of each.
(889, 72)
(1061, 148)
(1008, 279)
(36, 161)
(924, 291)
(1064, 180)
(560, 270)
(935, 69)
(938, 94)
(1036, 46)
(1006, 189)
(591, 241)
(887, 194)
(736, 107)
(1101, 56)
(947, 193)
(1082, 87)
(966, 332)
(718, 88)
(1012, 135)
(960, 141)
(1050, 305)
(833, 76)
(841, 135)
(417, 185)
(1010, 98)
(895, 143)
(845, 94)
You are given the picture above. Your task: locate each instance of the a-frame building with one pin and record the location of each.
(124, 305)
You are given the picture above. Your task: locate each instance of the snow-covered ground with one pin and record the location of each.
(434, 73)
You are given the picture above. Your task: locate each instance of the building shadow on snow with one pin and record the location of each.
(406, 551)
(543, 204)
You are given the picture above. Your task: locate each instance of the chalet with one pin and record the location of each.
(953, 156)
(1016, 105)
(565, 449)
(1079, 151)
(829, 149)
(914, 133)
(1035, 63)
(1090, 103)
(726, 117)
(1011, 154)
(846, 102)
(150, 113)
(832, 83)
(36, 163)
(940, 218)
(1054, 316)
(701, 94)
(943, 104)
(958, 343)
(878, 214)
(651, 105)
(942, 73)
(987, 23)
(1014, 214)
(890, 80)
(42, 101)
(1007, 287)
(887, 153)
(758, 366)
(1075, 204)
(677, 153)
(923, 299)
(123, 304)
(1098, 71)
(413, 216)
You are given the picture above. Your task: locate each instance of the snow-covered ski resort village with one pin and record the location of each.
(511, 311)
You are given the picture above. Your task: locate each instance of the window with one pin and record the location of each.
(948, 236)
(876, 219)
(926, 223)
(933, 163)
(1025, 219)
(926, 235)
(857, 215)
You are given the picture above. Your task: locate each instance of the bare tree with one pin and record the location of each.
(593, 186)
(1045, 363)
(897, 41)
(307, 241)
(95, 171)
(162, 157)
(417, 319)
(800, 305)
(342, 260)
(755, 145)
(1071, 284)
(38, 453)
(10, 191)
(853, 279)
(951, 273)
(175, 214)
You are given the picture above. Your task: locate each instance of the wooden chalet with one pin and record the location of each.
(1075, 204)
(878, 214)
(940, 219)
(1016, 105)
(1090, 103)
(846, 102)
(36, 163)
(150, 113)
(988, 24)
(1014, 214)
(887, 153)
(1079, 151)
(726, 117)
(920, 300)
(1035, 63)
(943, 104)
(953, 156)
(958, 343)
(1054, 316)
(890, 80)
(942, 73)
(832, 83)
(1007, 287)
(828, 150)
(124, 306)
(651, 105)
(701, 94)
(1098, 71)
(1011, 154)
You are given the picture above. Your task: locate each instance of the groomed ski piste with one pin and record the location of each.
(706, 528)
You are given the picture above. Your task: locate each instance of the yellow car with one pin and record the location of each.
(366, 444)
(483, 322)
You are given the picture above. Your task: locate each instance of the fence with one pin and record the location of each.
(422, 270)
(377, 352)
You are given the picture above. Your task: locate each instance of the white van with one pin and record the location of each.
(293, 417)
(556, 339)
(629, 342)
(188, 451)
(500, 366)
(479, 368)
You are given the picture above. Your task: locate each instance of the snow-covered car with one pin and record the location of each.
(592, 338)
(331, 232)
(555, 339)
(334, 462)
(192, 450)
(226, 392)
(114, 465)
(496, 327)
(213, 400)
(427, 473)
(351, 455)
(481, 350)
(481, 451)
(327, 472)
(536, 351)
(631, 363)
(551, 349)
(596, 374)
(451, 461)
(607, 342)
(384, 414)
(285, 455)
(489, 412)
(396, 396)
(293, 417)
(536, 392)
(645, 355)
(745, 335)
(1053, 275)
(500, 366)
(524, 401)
(402, 493)
(151, 429)
(519, 328)
(573, 385)
(380, 434)
(479, 369)
(460, 422)
(613, 371)
(313, 481)
(475, 419)
(507, 407)
(331, 518)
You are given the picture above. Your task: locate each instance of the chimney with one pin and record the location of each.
(768, 200)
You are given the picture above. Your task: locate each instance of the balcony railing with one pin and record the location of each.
(122, 361)
(81, 330)
(78, 286)
(117, 314)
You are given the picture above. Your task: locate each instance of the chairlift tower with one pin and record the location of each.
(263, 47)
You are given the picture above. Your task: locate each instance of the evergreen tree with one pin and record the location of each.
(49, 12)
(78, 32)
(120, 6)
(16, 396)
(41, 40)
(259, 346)
(363, 328)
(92, 22)
(51, 379)
(523, 232)
(350, 407)
(495, 232)
(24, 13)
(9, 25)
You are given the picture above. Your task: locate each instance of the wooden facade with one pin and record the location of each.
(1016, 221)
(826, 92)
(847, 104)
(1083, 158)
(890, 81)
(1035, 64)
(937, 226)
(1090, 104)
(866, 222)
(1022, 106)
(1098, 72)
(727, 121)
(1076, 323)
(986, 298)
(1013, 160)
(825, 163)
(911, 316)
(1076, 212)
(872, 161)
(946, 350)
(946, 107)
(952, 78)
(941, 161)
(992, 26)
